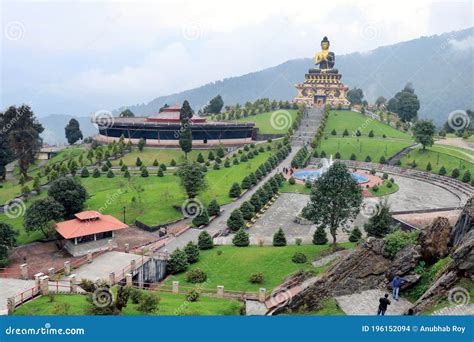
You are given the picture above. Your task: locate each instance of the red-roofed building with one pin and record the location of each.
(88, 231)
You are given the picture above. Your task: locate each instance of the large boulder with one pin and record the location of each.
(463, 255)
(434, 240)
(404, 264)
(464, 224)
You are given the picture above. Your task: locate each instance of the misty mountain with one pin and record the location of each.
(54, 133)
(441, 68)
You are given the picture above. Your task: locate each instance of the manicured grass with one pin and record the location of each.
(279, 124)
(459, 152)
(384, 189)
(295, 188)
(170, 304)
(437, 160)
(362, 147)
(149, 199)
(234, 266)
(340, 120)
(149, 154)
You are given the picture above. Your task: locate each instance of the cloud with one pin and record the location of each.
(88, 55)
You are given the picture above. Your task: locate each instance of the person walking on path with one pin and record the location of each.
(396, 283)
(383, 304)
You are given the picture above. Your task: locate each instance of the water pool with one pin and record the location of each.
(315, 174)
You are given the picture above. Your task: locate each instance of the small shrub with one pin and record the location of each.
(455, 173)
(279, 238)
(196, 276)
(398, 240)
(298, 241)
(135, 295)
(256, 278)
(299, 258)
(320, 236)
(292, 181)
(389, 185)
(355, 235)
(442, 171)
(375, 188)
(368, 159)
(149, 302)
(241, 238)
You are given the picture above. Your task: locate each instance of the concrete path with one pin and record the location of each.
(108, 262)
(10, 287)
(255, 308)
(456, 310)
(367, 303)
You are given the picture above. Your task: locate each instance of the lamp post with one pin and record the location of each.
(124, 214)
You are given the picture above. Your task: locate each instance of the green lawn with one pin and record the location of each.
(384, 190)
(149, 154)
(295, 188)
(362, 147)
(170, 304)
(279, 124)
(437, 158)
(149, 199)
(352, 121)
(235, 265)
(455, 151)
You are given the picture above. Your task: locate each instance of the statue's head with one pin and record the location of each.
(325, 43)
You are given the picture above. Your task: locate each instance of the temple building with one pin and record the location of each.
(88, 231)
(322, 85)
(163, 129)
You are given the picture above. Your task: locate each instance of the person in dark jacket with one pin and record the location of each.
(396, 283)
(383, 304)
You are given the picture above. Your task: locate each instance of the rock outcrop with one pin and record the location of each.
(434, 240)
(403, 265)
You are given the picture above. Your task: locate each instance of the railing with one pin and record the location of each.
(26, 295)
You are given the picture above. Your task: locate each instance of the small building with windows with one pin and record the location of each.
(88, 231)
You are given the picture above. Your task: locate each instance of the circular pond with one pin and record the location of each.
(316, 173)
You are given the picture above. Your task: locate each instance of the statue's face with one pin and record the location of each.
(325, 45)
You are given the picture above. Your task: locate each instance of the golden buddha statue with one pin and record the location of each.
(325, 59)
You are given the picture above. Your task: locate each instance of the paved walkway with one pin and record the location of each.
(367, 303)
(108, 262)
(255, 308)
(13, 288)
(456, 310)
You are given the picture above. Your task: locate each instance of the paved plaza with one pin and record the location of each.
(10, 287)
(367, 303)
(101, 266)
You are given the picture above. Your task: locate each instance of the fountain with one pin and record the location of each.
(313, 174)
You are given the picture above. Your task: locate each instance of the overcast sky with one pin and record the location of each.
(67, 57)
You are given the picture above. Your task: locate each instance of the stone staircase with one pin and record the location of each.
(308, 126)
(397, 157)
(456, 310)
